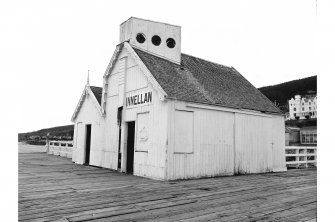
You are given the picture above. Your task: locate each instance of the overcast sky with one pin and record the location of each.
(49, 45)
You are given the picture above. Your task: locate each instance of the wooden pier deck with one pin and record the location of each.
(52, 188)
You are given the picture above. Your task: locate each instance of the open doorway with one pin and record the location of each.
(88, 144)
(119, 121)
(130, 147)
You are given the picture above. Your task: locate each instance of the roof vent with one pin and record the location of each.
(165, 38)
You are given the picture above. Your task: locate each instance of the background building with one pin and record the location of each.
(308, 135)
(292, 136)
(303, 107)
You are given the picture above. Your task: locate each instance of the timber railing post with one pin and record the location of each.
(297, 156)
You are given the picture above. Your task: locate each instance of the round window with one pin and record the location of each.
(156, 40)
(140, 38)
(171, 43)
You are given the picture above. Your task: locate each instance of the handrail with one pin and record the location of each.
(60, 148)
(297, 156)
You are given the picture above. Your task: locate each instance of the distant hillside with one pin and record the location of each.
(59, 132)
(283, 92)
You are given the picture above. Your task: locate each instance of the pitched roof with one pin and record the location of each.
(97, 91)
(201, 81)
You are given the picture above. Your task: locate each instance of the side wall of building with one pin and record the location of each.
(206, 141)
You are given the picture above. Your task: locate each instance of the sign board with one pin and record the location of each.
(137, 99)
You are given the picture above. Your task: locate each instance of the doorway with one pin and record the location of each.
(88, 144)
(119, 122)
(130, 147)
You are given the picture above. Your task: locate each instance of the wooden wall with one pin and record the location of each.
(126, 80)
(177, 140)
(224, 142)
(88, 114)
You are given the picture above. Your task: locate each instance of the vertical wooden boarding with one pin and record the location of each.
(142, 140)
(183, 142)
(278, 139)
(214, 136)
(203, 144)
(253, 144)
(78, 151)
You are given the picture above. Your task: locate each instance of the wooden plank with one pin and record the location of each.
(53, 188)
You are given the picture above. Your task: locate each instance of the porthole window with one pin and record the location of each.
(156, 40)
(171, 43)
(140, 38)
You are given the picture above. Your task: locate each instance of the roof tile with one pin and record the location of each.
(201, 81)
(97, 91)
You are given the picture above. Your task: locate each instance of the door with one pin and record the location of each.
(119, 121)
(130, 147)
(88, 144)
(79, 152)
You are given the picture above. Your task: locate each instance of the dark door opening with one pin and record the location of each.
(130, 147)
(119, 121)
(88, 144)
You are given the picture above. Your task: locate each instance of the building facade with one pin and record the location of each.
(308, 135)
(167, 115)
(292, 136)
(303, 107)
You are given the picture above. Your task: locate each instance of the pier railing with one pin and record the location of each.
(60, 148)
(296, 156)
(300, 156)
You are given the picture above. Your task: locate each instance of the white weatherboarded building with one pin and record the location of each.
(166, 115)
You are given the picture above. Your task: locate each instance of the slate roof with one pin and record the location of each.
(97, 91)
(201, 81)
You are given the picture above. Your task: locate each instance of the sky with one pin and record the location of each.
(46, 48)
(49, 46)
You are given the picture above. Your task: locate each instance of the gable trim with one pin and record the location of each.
(144, 69)
(87, 91)
(141, 65)
(107, 73)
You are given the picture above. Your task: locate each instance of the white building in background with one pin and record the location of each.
(303, 107)
(167, 115)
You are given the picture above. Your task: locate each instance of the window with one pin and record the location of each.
(156, 40)
(308, 137)
(309, 103)
(170, 42)
(303, 109)
(310, 108)
(294, 109)
(140, 38)
(303, 104)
